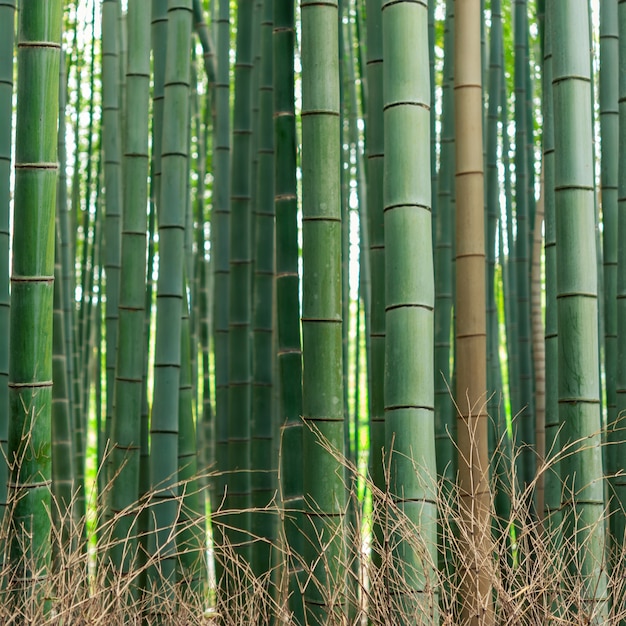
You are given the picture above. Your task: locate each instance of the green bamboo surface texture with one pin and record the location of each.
(552, 479)
(375, 225)
(131, 355)
(264, 523)
(409, 318)
(530, 147)
(322, 383)
(158, 29)
(66, 463)
(112, 147)
(167, 363)
(74, 375)
(609, 129)
(240, 289)
(492, 197)
(357, 111)
(158, 36)
(470, 354)
(500, 444)
(620, 484)
(190, 540)
(122, 34)
(76, 60)
(524, 426)
(220, 245)
(577, 305)
(345, 220)
(289, 366)
(445, 424)
(433, 110)
(7, 38)
(67, 289)
(32, 286)
(346, 115)
(144, 447)
(63, 457)
(203, 295)
(509, 270)
(83, 338)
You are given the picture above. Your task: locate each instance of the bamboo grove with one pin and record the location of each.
(312, 313)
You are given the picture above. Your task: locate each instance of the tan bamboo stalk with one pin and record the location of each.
(471, 345)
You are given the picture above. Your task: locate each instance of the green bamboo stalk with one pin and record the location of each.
(287, 300)
(470, 356)
(523, 411)
(410, 299)
(32, 278)
(66, 462)
(67, 270)
(444, 416)
(552, 482)
(263, 368)
(345, 190)
(171, 219)
(191, 574)
(220, 246)
(322, 383)
(620, 484)
(445, 422)
(357, 182)
(501, 448)
(577, 309)
(131, 356)
(7, 36)
(376, 329)
(75, 62)
(159, 35)
(204, 287)
(112, 146)
(492, 193)
(89, 243)
(433, 110)
(63, 462)
(240, 301)
(609, 129)
(509, 273)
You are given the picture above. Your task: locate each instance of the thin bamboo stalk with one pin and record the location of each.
(287, 301)
(7, 26)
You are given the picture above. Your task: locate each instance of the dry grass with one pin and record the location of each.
(534, 573)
